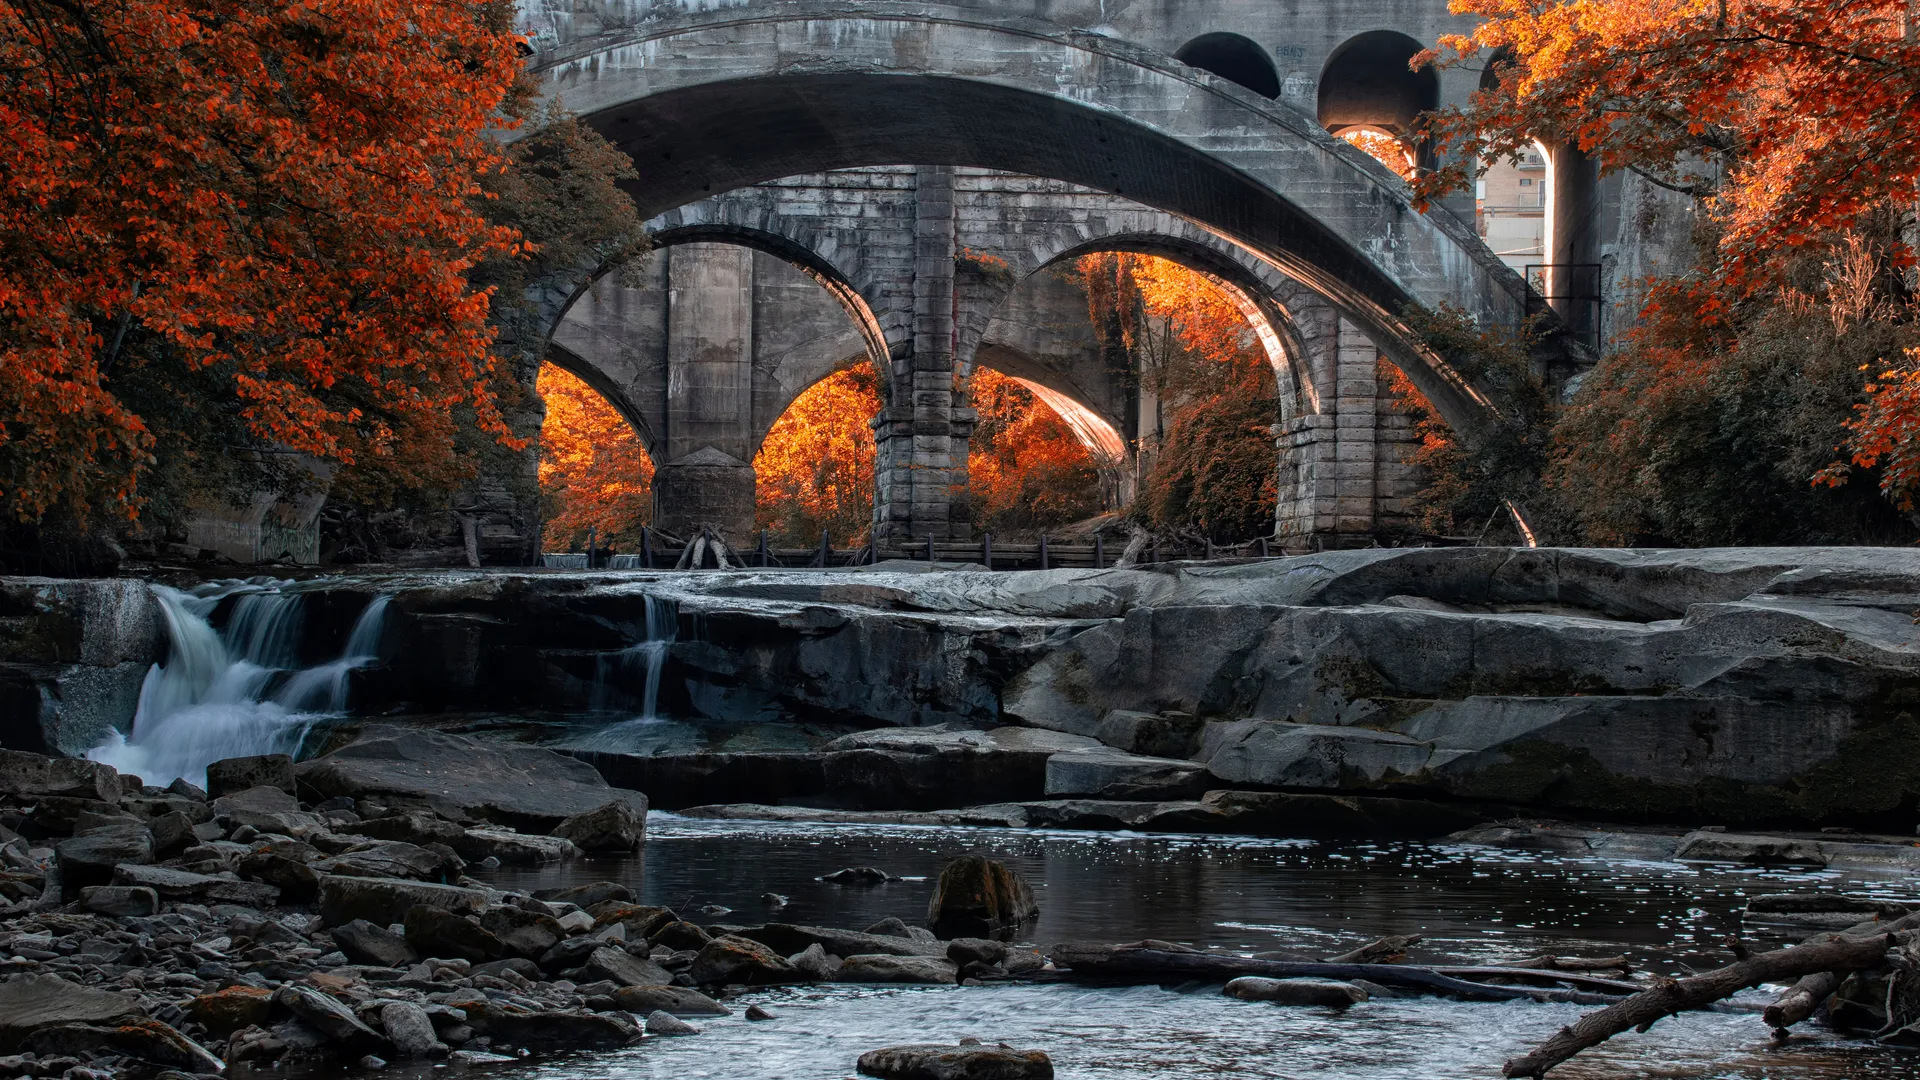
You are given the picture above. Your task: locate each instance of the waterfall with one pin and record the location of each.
(647, 657)
(237, 693)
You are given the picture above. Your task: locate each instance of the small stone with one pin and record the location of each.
(773, 900)
(522, 933)
(576, 922)
(331, 1019)
(371, 1062)
(125, 901)
(1338, 995)
(410, 1030)
(755, 1012)
(858, 875)
(662, 1022)
(889, 927)
(467, 1059)
(964, 1062)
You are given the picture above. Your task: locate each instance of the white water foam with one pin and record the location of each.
(233, 694)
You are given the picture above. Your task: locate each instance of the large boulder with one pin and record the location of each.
(616, 826)
(979, 897)
(543, 1032)
(365, 943)
(521, 787)
(678, 1000)
(333, 1020)
(30, 776)
(437, 932)
(737, 960)
(172, 884)
(385, 901)
(31, 1002)
(89, 860)
(898, 969)
(267, 809)
(968, 1061)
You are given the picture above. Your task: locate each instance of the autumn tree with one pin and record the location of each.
(1795, 124)
(278, 195)
(815, 468)
(1027, 471)
(1213, 470)
(595, 476)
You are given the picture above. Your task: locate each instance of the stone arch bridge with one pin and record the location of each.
(924, 163)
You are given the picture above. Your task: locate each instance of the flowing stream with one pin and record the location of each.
(236, 691)
(1473, 905)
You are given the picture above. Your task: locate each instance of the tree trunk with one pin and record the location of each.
(1679, 995)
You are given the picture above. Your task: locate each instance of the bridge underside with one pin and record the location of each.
(706, 351)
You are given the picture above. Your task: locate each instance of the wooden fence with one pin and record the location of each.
(665, 553)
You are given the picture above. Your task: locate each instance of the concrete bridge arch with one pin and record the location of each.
(711, 101)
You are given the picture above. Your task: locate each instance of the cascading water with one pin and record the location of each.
(234, 694)
(648, 658)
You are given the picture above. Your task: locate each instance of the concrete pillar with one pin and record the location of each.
(704, 476)
(923, 432)
(1328, 478)
(1573, 239)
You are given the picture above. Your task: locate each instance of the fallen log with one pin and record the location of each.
(1508, 971)
(1801, 1000)
(1671, 996)
(1133, 962)
(1804, 998)
(1572, 963)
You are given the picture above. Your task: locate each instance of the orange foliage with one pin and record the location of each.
(1796, 121)
(1383, 148)
(282, 193)
(1214, 468)
(1812, 107)
(595, 476)
(815, 469)
(1027, 470)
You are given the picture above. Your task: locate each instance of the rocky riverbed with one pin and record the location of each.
(186, 929)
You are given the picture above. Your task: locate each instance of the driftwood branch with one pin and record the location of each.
(1386, 950)
(1802, 999)
(1572, 963)
(1148, 964)
(1805, 997)
(1671, 996)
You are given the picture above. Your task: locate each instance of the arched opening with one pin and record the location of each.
(1032, 467)
(1235, 59)
(1207, 394)
(596, 477)
(1368, 84)
(1513, 209)
(813, 473)
(1384, 147)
